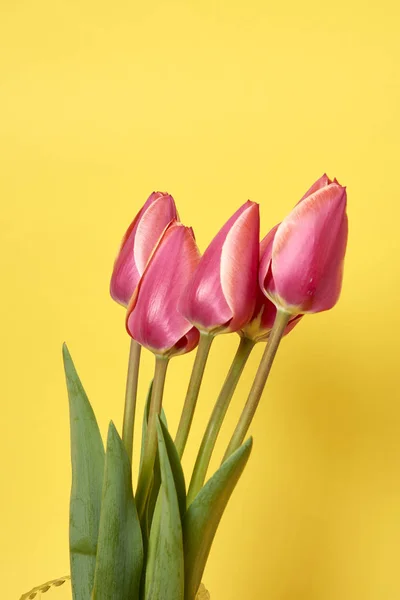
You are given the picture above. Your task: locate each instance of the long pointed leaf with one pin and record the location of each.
(204, 514)
(120, 550)
(176, 468)
(165, 567)
(145, 419)
(87, 457)
(155, 486)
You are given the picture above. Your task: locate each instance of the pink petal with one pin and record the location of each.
(152, 318)
(262, 319)
(265, 256)
(208, 300)
(264, 313)
(158, 210)
(308, 251)
(150, 228)
(239, 266)
(259, 328)
(292, 323)
(188, 342)
(322, 182)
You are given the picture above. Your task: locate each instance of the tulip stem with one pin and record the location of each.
(192, 394)
(150, 451)
(278, 329)
(130, 397)
(217, 417)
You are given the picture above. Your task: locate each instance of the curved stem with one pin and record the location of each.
(192, 394)
(150, 451)
(217, 417)
(130, 397)
(281, 321)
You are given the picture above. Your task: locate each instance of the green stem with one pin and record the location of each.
(192, 394)
(130, 397)
(281, 321)
(146, 471)
(214, 425)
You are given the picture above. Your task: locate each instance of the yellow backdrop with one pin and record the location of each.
(215, 102)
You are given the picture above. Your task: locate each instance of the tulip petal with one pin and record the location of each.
(150, 228)
(239, 266)
(209, 300)
(152, 317)
(307, 252)
(332, 277)
(265, 256)
(138, 243)
(188, 342)
(262, 321)
(125, 274)
(322, 182)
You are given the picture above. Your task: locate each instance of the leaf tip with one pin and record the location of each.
(245, 449)
(112, 432)
(160, 430)
(65, 351)
(248, 443)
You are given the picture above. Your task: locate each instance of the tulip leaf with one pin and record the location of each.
(119, 560)
(176, 468)
(154, 504)
(155, 486)
(145, 419)
(87, 458)
(165, 565)
(204, 514)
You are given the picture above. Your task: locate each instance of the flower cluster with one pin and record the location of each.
(172, 293)
(261, 290)
(153, 543)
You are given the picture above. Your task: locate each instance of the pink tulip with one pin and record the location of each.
(138, 244)
(302, 267)
(152, 318)
(221, 295)
(261, 323)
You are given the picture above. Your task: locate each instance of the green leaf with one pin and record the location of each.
(155, 486)
(145, 419)
(153, 496)
(87, 457)
(176, 467)
(154, 502)
(119, 560)
(204, 514)
(165, 566)
(144, 422)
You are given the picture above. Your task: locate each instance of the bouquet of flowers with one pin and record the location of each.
(153, 543)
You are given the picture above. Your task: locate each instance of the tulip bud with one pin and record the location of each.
(262, 321)
(221, 295)
(152, 317)
(138, 244)
(302, 267)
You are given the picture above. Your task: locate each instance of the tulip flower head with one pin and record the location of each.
(302, 267)
(153, 319)
(259, 327)
(220, 297)
(138, 244)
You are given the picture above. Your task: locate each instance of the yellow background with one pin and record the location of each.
(216, 102)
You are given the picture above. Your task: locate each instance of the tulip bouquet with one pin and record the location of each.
(153, 544)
